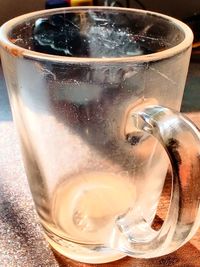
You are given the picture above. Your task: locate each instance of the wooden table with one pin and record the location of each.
(21, 240)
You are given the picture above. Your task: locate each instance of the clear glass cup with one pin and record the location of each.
(95, 95)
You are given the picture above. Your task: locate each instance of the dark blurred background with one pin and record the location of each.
(181, 9)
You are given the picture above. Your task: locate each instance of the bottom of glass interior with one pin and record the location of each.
(81, 253)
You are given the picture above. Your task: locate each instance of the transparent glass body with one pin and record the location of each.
(87, 87)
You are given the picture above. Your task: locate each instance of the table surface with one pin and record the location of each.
(21, 239)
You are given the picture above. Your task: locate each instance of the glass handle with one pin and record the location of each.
(181, 140)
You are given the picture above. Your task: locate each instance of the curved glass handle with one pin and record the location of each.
(181, 140)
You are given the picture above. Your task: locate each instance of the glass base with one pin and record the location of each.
(82, 253)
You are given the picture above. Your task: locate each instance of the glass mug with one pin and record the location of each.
(95, 94)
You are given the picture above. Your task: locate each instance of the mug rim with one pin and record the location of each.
(18, 51)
